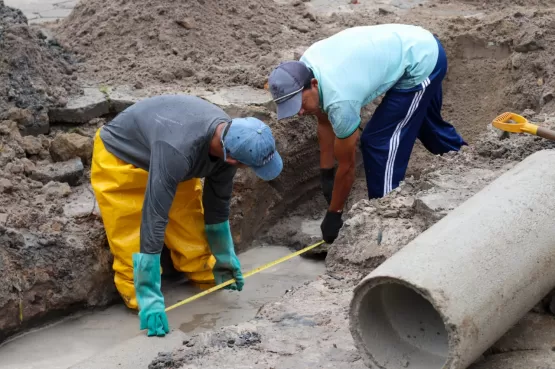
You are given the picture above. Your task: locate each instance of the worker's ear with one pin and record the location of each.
(234, 162)
(231, 161)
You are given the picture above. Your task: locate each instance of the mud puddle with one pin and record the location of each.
(79, 337)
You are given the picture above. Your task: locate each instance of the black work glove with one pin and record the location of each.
(331, 225)
(327, 177)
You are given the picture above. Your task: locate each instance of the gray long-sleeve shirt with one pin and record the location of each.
(169, 136)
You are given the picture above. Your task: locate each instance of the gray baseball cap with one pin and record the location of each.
(286, 84)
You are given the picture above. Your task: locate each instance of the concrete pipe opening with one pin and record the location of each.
(399, 328)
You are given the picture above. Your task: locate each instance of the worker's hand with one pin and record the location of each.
(147, 279)
(227, 264)
(327, 177)
(331, 225)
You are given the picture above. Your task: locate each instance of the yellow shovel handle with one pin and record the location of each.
(529, 128)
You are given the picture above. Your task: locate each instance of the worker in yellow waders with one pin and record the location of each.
(146, 170)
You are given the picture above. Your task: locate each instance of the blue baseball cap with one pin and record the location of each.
(286, 84)
(250, 141)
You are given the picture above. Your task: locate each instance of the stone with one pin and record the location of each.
(518, 360)
(300, 28)
(3, 218)
(310, 16)
(529, 46)
(8, 127)
(69, 171)
(66, 146)
(56, 189)
(82, 205)
(28, 123)
(32, 145)
(23, 117)
(122, 98)
(186, 23)
(5, 185)
(98, 122)
(81, 109)
(547, 96)
(15, 167)
(382, 11)
(533, 332)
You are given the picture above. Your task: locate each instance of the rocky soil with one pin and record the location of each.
(35, 73)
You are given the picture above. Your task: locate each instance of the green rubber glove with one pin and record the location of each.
(147, 279)
(227, 264)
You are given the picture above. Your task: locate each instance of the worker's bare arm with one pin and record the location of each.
(345, 152)
(326, 138)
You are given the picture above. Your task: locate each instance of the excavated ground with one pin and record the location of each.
(55, 258)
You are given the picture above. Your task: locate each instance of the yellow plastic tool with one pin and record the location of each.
(514, 123)
(248, 274)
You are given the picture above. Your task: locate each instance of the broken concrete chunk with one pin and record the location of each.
(82, 205)
(122, 98)
(66, 146)
(32, 145)
(69, 171)
(81, 109)
(56, 189)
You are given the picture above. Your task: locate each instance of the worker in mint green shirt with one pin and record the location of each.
(339, 75)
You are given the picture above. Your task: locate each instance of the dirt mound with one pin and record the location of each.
(207, 42)
(35, 73)
(498, 59)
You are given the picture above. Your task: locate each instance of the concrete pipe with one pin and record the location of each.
(453, 291)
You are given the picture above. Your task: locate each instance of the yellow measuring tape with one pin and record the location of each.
(248, 274)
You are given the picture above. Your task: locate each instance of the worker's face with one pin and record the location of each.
(311, 99)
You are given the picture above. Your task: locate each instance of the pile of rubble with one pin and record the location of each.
(35, 73)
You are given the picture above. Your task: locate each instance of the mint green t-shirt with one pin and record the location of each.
(358, 64)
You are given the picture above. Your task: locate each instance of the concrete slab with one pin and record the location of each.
(81, 109)
(70, 171)
(123, 97)
(237, 96)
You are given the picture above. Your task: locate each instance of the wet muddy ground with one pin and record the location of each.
(81, 336)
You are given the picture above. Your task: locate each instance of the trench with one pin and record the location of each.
(78, 337)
